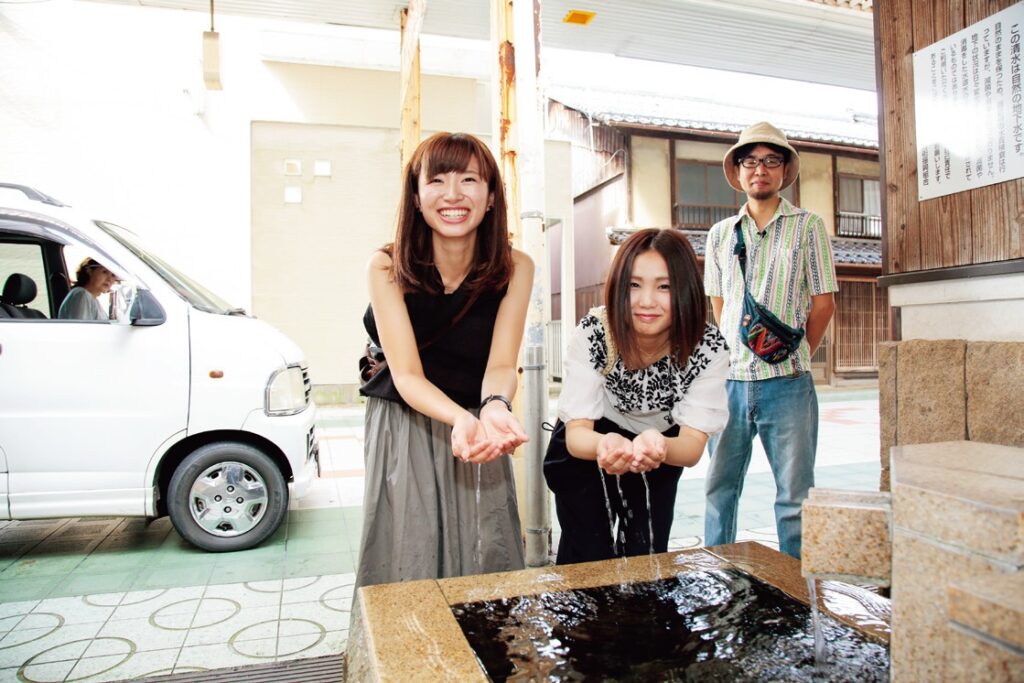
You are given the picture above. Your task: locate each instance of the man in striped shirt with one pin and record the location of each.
(789, 271)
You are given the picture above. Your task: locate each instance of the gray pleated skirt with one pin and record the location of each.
(421, 515)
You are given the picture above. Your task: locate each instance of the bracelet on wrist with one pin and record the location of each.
(496, 397)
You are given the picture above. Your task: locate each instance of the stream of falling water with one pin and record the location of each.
(623, 520)
(621, 535)
(820, 654)
(607, 505)
(650, 521)
(479, 546)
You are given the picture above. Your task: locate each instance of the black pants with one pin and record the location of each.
(580, 487)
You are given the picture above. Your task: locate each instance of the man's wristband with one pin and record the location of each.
(496, 397)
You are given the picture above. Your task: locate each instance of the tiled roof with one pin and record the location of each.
(860, 5)
(848, 128)
(848, 250)
(845, 250)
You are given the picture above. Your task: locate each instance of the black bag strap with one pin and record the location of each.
(741, 250)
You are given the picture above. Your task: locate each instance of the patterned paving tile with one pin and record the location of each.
(247, 623)
(142, 632)
(47, 644)
(144, 665)
(51, 672)
(130, 634)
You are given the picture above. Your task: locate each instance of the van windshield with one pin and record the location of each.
(189, 289)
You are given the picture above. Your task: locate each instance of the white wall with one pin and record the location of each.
(976, 309)
(103, 106)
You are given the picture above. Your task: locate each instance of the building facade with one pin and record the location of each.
(635, 171)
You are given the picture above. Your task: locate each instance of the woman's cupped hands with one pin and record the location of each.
(618, 455)
(495, 433)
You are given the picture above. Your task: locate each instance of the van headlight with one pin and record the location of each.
(286, 392)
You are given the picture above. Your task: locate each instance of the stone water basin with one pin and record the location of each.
(729, 613)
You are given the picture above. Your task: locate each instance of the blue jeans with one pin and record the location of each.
(784, 413)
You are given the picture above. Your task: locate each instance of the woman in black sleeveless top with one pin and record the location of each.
(448, 304)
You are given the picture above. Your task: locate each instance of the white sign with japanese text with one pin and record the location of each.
(969, 107)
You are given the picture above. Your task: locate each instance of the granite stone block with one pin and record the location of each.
(408, 633)
(887, 405)
(931, 392)
(993, 606)
(972, 659)
(967, 494)
(995, 375)
(921, 571)
(847, 539)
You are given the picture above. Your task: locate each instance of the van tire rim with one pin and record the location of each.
(228, 499)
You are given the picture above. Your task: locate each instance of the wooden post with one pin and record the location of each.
(503, 100)
(412, 22)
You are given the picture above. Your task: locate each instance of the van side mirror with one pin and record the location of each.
(146, 311)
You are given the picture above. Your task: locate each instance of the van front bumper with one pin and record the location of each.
(295, 435)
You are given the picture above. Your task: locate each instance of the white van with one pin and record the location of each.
(178, 404)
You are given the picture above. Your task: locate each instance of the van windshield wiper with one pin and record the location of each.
(236, 311)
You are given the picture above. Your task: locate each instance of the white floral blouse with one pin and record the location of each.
(656, 397)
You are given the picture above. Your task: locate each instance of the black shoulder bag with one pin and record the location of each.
(373, 362)
(770, 339)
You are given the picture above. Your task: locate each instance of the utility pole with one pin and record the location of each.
(519, 136)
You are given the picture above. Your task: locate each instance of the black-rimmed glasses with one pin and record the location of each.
(768, 161)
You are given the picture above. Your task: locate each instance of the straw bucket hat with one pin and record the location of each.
(757, 133)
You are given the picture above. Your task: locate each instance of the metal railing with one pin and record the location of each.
(858, 225)
(692, 216)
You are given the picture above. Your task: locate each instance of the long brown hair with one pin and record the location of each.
(689, 307)
(412, 252)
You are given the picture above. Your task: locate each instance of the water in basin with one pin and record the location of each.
(705, 625)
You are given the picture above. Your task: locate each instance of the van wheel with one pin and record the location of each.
(227, 496)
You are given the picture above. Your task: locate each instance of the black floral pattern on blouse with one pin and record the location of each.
(658, 387)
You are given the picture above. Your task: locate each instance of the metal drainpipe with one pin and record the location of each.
(535, 402)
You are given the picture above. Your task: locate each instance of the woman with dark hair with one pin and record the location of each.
(448, 302)
(643, 387)
(92, 280)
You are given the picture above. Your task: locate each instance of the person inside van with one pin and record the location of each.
(92, 280)
(448, 302)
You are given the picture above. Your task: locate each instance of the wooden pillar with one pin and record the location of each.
(412, 22)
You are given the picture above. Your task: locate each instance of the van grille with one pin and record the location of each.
(307, 385)
(311, 444)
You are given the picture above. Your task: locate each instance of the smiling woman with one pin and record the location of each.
(448, 303)
(644, 386)
(92, 280)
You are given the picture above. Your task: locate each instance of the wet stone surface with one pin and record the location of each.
(717, 625)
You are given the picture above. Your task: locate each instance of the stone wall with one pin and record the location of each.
(949, 390)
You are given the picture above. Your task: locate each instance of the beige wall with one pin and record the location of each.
(861, 167)
(700, 151)
(309, 258)
(816, 190)
(651, 183)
